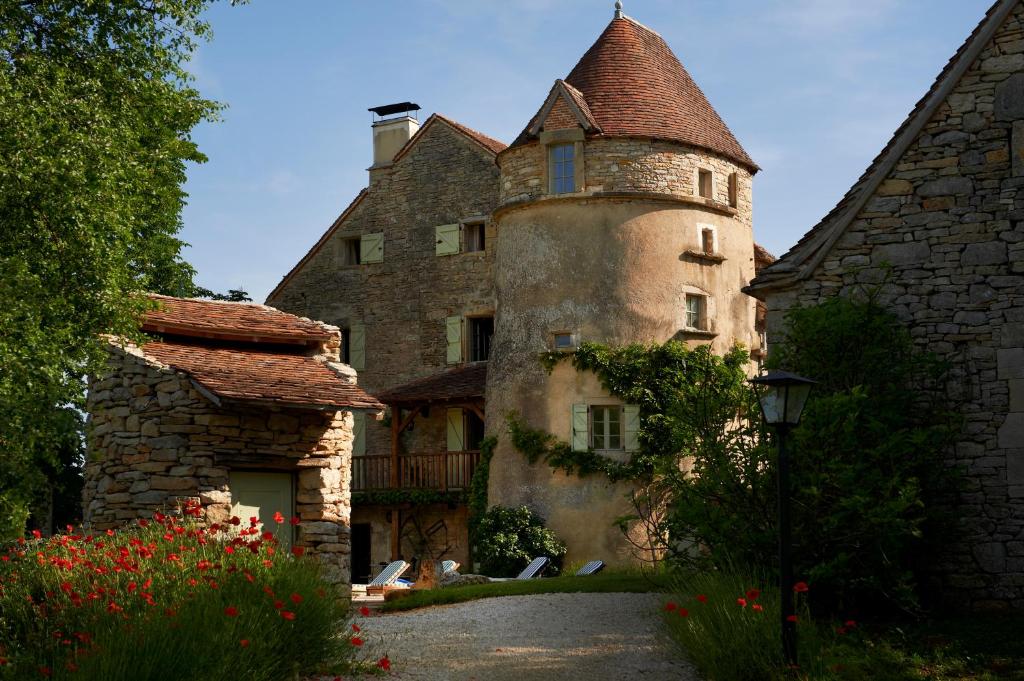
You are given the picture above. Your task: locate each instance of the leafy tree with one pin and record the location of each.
(507, 539)
(233, 295)
(96, 109)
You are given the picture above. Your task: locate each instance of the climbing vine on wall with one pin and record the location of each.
(478, 485)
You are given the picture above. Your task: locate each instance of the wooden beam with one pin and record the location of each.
(396, 431)
(395, 513)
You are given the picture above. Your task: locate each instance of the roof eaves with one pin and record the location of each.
(799, 263)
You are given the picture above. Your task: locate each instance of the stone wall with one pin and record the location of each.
(948, 220)
(154, 439)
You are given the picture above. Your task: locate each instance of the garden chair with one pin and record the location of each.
(591, 568)
(534, 569)
(449, 566)
(387, 577)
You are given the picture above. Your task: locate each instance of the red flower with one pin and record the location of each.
(355, 628)
(702, 598)
(229, 549)
(287, 615)
(683, 612)
(278, 605)
(244, 643)
(670, 606)
(841, 630)
(278, 518)
(800, 587)
(850, 624)
(384, 663)
(296, 598)
(253, 521)
(792, 618)
(742, 602)
(46, 671)
(235, 520)
(756, 607)
(268, 536)
(295, 520)
(364, 611)
(38, 535)
(356, 641)
(231, 611)
(298, 551)
(753, 595)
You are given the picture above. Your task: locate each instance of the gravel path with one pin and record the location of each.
(527, 638)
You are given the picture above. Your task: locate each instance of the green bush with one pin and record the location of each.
(509, 538)
(166, 601)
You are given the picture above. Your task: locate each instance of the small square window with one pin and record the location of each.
(696, 312)
(562, 168)
(564, 341)
(474, 237)
(350, 253)
(606, 428)
(704, 183)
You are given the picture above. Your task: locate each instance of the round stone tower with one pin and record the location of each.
(624, 216)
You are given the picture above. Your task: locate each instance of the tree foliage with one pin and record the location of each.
(509, 538)
(96, 109)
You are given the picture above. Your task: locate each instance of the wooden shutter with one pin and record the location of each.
(357, 347)
(447, 239)
(371, 248)
(456, 430)
(631, 419)
(359, 434)
(453, 336)
(580, 427)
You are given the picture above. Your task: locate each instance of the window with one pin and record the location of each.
(606, 427)
(474, 431)
(350, 252)
(346, 346)
(474, 237)
(707, 240)
(562, 168)
(564, 341)
(481, 331)
(696, 312)
(704, 183)
(734, 190)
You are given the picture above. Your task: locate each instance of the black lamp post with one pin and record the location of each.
(782, 397)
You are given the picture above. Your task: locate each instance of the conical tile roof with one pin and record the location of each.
(636, 87)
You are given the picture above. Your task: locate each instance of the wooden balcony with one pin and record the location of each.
(437, 471)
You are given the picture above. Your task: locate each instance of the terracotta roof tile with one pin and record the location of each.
(231, 321)
(461, 383)
(266, 377)
(635, 86)
(494, 145)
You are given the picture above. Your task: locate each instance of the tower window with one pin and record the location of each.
(696, 312)
(474, 237)
(481, 331)
(564, 341)
(704, 184)
(562, 168)
(707, 240)
(606, 427)
(734, 190)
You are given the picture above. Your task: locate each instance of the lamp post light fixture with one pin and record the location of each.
(782, 397)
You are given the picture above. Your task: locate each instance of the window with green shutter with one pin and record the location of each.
(580, 428)
(453, 337)
(371, 248)
(447, 237)
(357, 347)
(359, 434)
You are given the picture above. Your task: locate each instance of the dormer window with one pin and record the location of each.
(562, 168)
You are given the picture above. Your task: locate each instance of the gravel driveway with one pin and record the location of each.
(523, 638)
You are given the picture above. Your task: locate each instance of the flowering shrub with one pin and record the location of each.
(169, 599)
(509, 538)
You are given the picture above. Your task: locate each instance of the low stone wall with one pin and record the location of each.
(155, 439)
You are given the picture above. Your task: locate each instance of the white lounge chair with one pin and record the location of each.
(591, 568)
(387, 577)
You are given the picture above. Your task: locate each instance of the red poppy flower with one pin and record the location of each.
(800, 587)
(231, 611)
(278, 518)
(295, 520)
(287, 615)
(356, 641)
(268, 536)
(38, 535)
(46, 671)
(841, 630)
(298, 551)
(278, 605)
(756, 607)
(244, 643)
(384, 663)
(229, 549)
(235, 520)
(683, 612)
(702, 598)
(850, 624)
(253, 521)
(742, 602)
(364, 611)
(296, 598)
(355, 628)
(670, 606)
(792, 618)
(753, 594)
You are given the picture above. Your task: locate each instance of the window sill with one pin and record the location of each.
(713, 258)
(698, 333)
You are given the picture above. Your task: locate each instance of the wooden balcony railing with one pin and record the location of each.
(441, 471)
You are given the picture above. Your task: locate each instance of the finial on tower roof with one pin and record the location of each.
(618, 9)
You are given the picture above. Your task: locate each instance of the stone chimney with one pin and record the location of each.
(391, 134)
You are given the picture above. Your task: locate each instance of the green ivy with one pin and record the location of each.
(538, 445)
(478, 485)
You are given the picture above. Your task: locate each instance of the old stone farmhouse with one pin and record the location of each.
(941, 210)
(621, 213)
(240, 406)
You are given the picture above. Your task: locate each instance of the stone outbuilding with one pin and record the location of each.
(240, 406)
(938, 221)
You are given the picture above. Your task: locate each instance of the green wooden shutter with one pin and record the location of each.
(456, 430)
(447, 239)
(359, 433)
(371, 248)
(631, 416)
(357, 347)
(580, 427)
(453, 335)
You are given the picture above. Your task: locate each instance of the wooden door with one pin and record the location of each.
(261, 495)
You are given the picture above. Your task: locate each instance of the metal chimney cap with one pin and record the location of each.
(389, 109)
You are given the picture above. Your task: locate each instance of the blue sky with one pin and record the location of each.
(812, 88)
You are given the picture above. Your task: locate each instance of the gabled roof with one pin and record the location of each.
(260, 376)
(488, 144)
(800, 261)
(577, 104)
(635, 86)
(227, 321)
(461, 383)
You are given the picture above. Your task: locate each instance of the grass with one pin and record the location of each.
(608, 581)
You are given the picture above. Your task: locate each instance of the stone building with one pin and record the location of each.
(622, 213)
(242, 407)
(938, 218)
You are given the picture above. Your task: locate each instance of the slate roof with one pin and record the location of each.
(231, 321)
(466, 382)
(635, 86)
(800, 261)
(254, 375)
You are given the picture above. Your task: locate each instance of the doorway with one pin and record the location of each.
(361, 552)
(261, 495)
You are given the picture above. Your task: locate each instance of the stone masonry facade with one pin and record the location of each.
(944, 236)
